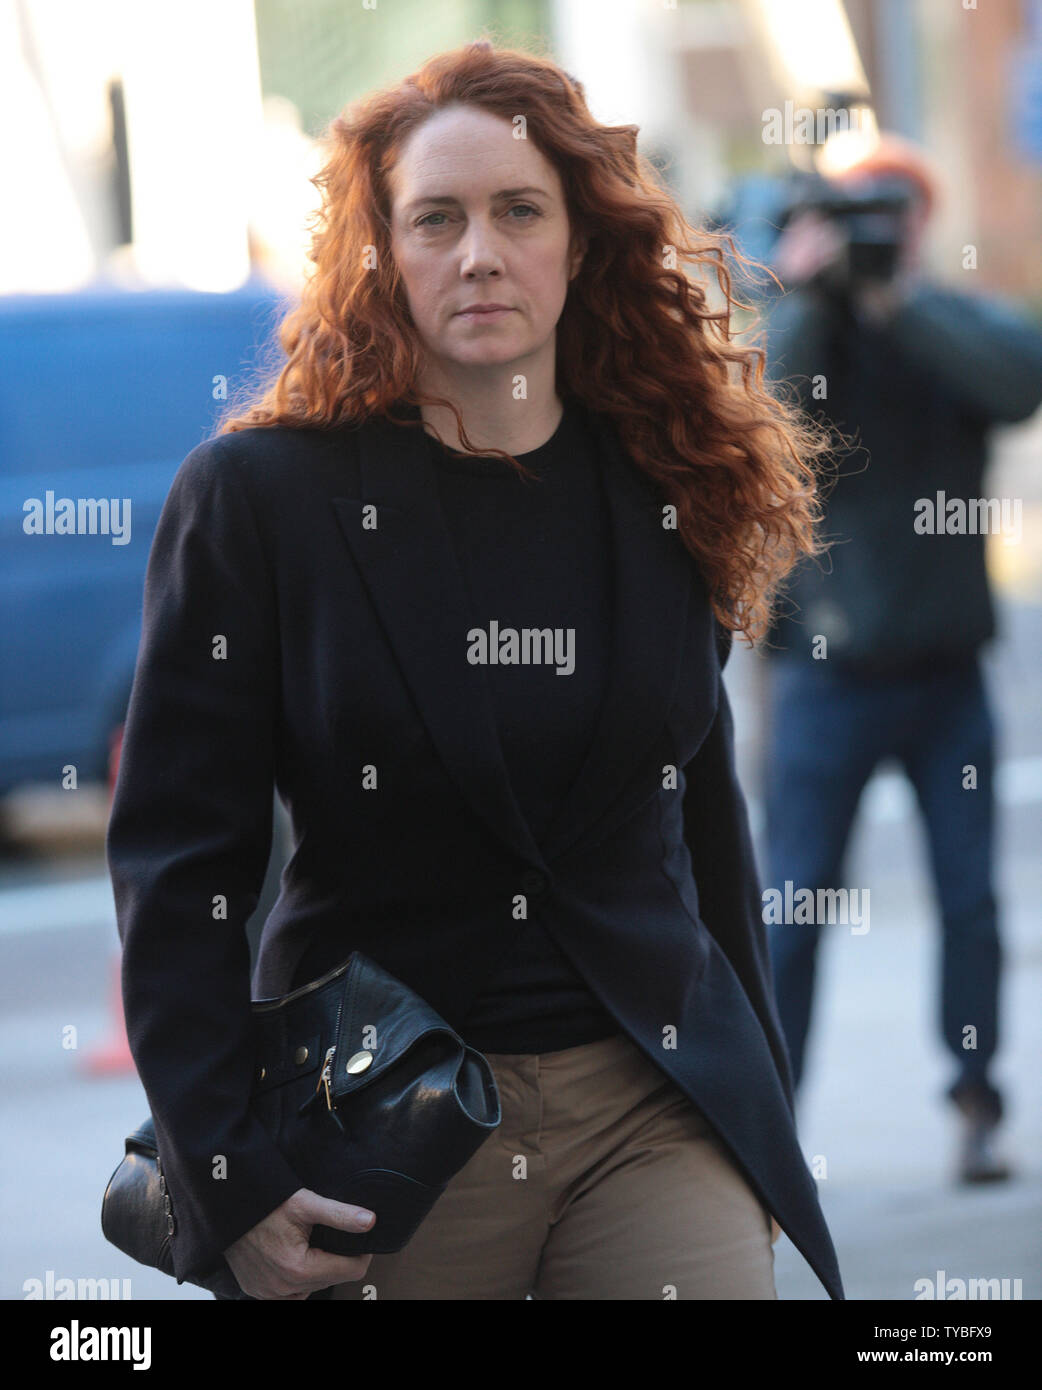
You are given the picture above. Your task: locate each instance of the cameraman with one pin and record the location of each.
(876, 655)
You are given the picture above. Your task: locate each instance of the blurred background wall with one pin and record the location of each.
(154, 144)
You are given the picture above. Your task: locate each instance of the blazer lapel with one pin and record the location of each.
(410, 568)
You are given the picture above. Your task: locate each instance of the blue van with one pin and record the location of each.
(102, 394)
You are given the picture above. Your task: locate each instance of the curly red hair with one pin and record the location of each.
(637, 338)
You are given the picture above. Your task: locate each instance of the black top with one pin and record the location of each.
(546, 708)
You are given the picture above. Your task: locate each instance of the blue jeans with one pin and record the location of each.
(828, 731)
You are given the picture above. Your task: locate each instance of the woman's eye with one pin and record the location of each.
(518, 207)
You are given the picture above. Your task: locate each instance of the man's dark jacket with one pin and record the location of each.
(346, 649)
(919, 394)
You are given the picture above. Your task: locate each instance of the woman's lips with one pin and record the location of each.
(483, 315)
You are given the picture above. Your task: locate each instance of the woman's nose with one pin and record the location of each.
(478, 248)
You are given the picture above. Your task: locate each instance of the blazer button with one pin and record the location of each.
(533, 882)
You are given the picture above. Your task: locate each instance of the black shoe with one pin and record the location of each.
(978, 1161)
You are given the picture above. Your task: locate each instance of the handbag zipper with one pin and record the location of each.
(326, 1075)
(323, 1081)
(325, 1078)
(327, 1068)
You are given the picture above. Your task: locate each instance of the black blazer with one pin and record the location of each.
(344, 648)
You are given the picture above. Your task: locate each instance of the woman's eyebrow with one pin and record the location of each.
(448, 200)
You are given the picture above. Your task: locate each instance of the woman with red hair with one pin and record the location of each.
(486, 535)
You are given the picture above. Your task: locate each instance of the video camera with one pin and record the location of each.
(873, 218)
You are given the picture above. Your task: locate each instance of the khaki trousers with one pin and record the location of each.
(602, 1182)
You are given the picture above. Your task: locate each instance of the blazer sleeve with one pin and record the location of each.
(716, 828)
(188, 841)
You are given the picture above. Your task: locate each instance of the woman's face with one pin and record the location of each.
(478, 217)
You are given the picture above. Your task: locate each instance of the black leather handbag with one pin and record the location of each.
(369, 1095)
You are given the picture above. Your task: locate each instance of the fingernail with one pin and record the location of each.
(366, 1217)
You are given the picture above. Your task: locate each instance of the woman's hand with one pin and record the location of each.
(274, 1259)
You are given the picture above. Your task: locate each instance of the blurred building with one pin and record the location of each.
(963, 77)
(151, 143)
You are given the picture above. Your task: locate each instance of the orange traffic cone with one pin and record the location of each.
(112, 1056)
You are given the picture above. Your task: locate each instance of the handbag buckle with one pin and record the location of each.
(326, 1077)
